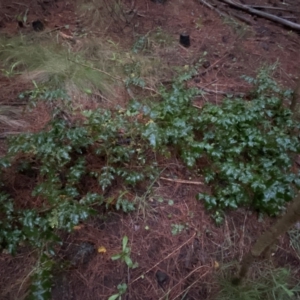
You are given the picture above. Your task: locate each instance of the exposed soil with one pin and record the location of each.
(189, 261)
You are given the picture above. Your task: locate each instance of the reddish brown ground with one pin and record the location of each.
(189, 258)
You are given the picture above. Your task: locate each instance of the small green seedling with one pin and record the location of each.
(11, 71)
(121, 290)
(125, 254)
(177, 228)
(23, 17)
(199, 23)
(171, 202)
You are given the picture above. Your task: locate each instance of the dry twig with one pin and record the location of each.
(213, 8)
(169, 255)
(184, 279)
(182, 181)
(265, 15)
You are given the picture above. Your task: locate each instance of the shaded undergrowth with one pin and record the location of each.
(76, 162)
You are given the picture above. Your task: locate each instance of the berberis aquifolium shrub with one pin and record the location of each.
(60, 154)
(59, 158)
(173, 122)
(250, 145)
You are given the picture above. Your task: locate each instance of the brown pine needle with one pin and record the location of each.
(169, 255)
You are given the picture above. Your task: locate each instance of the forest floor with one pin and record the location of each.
(195, 257)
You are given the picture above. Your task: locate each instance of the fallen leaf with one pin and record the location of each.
(101, 249)
(216, 265)
(77, 227)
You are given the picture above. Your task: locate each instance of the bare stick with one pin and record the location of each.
(182, 181)
(225, 15)
(55, 29)
(236, 94)
(178, 248)
(241, 18)
(213, 8)
(272, 8)
(182, 280)
(265, 15)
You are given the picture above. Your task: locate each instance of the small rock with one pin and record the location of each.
(206, 64)
(38, 25)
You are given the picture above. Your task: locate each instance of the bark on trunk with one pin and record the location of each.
(296, 99)
(266, 240)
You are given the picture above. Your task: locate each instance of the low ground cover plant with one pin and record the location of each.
(248, 144)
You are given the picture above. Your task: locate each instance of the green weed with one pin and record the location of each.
(122, 288)
(178, 228)
(125, 255)
(269, 285)
(11, 72)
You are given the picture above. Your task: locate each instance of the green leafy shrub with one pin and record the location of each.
(106, 147)
(249, 145)
(133, 72)
(173, 121)
(42, 92)
(60, 154)
(41, 285)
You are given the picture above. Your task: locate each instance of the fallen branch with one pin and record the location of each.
(272, 8)
(265, 15)
(182, 181)
(185, 278)
(236, 94)
(213, 8)
(227, 15)
(241, 18)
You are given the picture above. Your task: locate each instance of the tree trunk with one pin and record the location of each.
(294, 107)
(267, 240)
